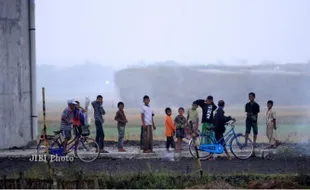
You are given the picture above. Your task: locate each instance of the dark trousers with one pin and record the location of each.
(99, 134)
(170, 142)
(141, 138)
(148, 138)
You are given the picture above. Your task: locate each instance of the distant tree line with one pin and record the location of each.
(179, 86)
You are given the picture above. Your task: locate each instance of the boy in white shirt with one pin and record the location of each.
(271, 125)
(147, 125)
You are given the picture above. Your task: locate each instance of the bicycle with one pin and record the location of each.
(78, 144)
(231, 137)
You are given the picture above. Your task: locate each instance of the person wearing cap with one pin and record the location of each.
(78, 118)
(208, 107)
(67, 121)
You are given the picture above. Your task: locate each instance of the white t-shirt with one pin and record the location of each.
(148, 114)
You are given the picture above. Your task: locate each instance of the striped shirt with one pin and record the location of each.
(67, 115)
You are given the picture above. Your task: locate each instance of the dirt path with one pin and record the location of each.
(185, 165)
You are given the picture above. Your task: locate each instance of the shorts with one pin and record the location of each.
(179, 133)
(249, 124)
(66, 134)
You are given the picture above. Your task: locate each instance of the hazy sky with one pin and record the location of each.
(188, 31)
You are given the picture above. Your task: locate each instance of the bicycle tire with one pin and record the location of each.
(92, 148)
(41, 148)
(203, 155)
(241, 147)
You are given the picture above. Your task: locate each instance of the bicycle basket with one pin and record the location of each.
(85, 130)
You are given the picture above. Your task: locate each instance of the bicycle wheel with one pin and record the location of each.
(41, 148)
(86, 149)
(241, 148)
(203, 155)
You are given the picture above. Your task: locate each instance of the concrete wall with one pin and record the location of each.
(15, 88)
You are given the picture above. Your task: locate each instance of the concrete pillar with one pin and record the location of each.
(15, 88)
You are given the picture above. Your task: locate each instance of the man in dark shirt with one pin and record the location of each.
(252, 109)
(208, 107)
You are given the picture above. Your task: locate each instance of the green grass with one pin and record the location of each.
(286, 132)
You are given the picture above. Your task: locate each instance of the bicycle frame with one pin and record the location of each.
(73, 142)
(216, 147)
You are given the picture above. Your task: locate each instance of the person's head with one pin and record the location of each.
(146, 100)
(209, 100)
(251, 96)
(269, 104)
(194, 106)
(221, 103)
(77, 104)
(168, 111)
(99, 99)
(181, 111)
(120, 105)
(71, 103)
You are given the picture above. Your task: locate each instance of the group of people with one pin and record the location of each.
(179, 127)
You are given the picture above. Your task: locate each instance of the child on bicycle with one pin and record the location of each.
(180, 123)
(170, 130)
(193, 119)
(219, 124)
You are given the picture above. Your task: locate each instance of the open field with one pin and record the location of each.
(292, 122)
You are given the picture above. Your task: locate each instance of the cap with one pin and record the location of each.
(72, 101)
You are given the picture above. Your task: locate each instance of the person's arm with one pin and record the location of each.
(142, 117)
(187, 117)
(153, 124)
(199, 102)
(117, 118)
(214, 106)
(245, 110)
(274, 120)
(64, 117)
(170, 124)
(224, 118)
(95, 106)
(258, 108)
(83, 110)
(102, 110)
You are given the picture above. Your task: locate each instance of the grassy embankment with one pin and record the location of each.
(292, 123)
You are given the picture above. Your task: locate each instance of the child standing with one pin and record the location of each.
(271, 125)
(180, 124)
(120, 117)
(147, 125)
(193, 119)
(170, 130)
(219, 124)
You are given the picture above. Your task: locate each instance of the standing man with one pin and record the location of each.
(252, 109)
(98, 115)
(147, 125)
(208, 107)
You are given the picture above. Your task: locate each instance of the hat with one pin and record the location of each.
(72, 101)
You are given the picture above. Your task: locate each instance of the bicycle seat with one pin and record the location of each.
(57, 132)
